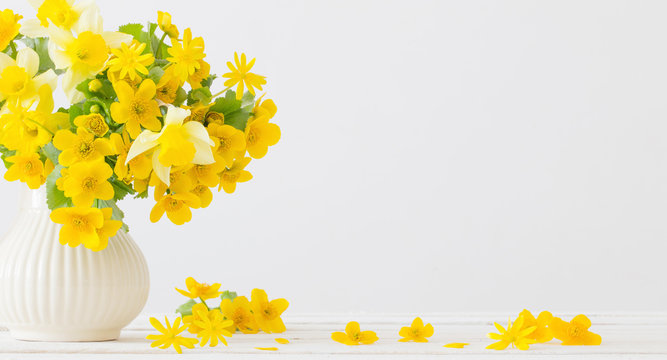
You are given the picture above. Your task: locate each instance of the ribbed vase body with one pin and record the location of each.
(51, 292)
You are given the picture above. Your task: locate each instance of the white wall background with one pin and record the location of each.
(436, 156)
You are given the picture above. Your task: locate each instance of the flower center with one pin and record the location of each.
(85, 149)
(89, 184)
(573, 331)
(230, 178)
(13, 80)
(173, 204)
(138, 107)
(252, 137)
(79, 222)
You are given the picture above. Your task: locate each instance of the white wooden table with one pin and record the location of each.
(624, 336)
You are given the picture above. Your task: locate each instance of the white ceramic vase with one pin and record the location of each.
(51, 292)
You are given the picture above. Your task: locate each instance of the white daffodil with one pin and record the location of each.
(177, 144)
(19, 82)
(64, 14)
(85, 55)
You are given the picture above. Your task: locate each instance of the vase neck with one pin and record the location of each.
(33, 199)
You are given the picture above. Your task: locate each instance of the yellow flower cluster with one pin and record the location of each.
(142, 117)
(213, 325)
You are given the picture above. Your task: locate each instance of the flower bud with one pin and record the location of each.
(94, 85)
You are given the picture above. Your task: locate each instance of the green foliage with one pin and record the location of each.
(208, 82)
(51, 153)
(181, 96)
(231, 295)
(147, 37)
(121, 189)
(106, 92)
(116, 212)
(201, 95)
(236, 111)
(41, 47)
(186, 309)
(156, 74)
(75, 111)
(56, 198)
(5, 154)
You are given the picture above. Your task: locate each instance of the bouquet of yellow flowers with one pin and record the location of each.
(141, 116)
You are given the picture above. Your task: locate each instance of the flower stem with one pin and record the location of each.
(204, 302)
(159, 46)
(42, 126)
(220, 93)
(11, 43)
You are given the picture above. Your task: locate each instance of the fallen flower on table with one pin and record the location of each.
(200, 290)
(267, 313)
(455, 345)
(282, 341)
(267, 348)
(238, 310)
(417, 332)
(169, 335)
(354, 336)
(542, 331)
(516, 335)
(575, 332)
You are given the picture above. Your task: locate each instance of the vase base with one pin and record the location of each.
(34, 333)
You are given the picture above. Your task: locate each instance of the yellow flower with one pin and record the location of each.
(197, 310)
(80, 225)
(185, 57)
(94, 123)
(198, 112)
(516, 335)
(542, 332)
(164, 21)
(178, 144)
(130, 60)
(266, 108)
(236, 174)
(82, 146)
(215, 118)
(136, 109)
(108, 229)
(267, 313)
(207, 174)
(354, 336)
(27, 168)
(575, 332)
(170, 335)
(239, 312)
(83, 56)
(200, 290)
(139, 167)
(200, 74)
(241, 75)
(204, 194)
(23, 130)
(87, 181)
(64, 14)
(260, 134)
(229, 141)
(19, 82)
(416, 332)
(180, 181)
(167, 87)
(9, 27)
(213, 327)
(177, 207)
(455, 345)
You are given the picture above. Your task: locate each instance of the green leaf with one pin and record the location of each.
(186, 309)
(5, 154)
(74, 112)
(133, 29)
(55, 198)
(235, 113)
(156, 74)
(41, 47)
(121, 189)
(181, 96)
(231, 295)
(116, 212)
(208, 82)
(201, 95)
(142, 195)
(51, 152)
